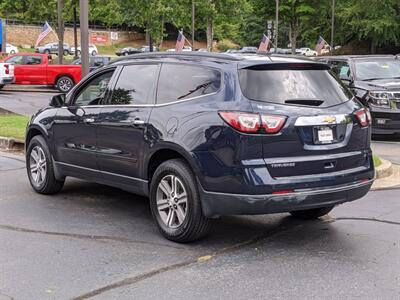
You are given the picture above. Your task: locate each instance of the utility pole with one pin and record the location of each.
(84, 24)
(276, 25)
(60, 21)
(75, 33)
(193, 16)
(333, 24)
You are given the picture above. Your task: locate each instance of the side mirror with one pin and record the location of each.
(57, 100)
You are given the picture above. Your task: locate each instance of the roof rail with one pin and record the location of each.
(205, 55)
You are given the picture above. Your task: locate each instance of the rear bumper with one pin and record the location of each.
(385, 121)
(7, 80)
(221, 204)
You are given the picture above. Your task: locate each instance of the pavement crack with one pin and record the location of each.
(187, 263)
(86, 236)
(364, 219)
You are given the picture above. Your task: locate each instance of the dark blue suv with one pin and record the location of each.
(208, 135)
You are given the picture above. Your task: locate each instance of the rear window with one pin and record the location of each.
(293, 86)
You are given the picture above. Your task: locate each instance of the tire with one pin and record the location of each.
(94, 53)
(78, 53)
(1, 86)
(12, 52)
(46, 183)
(167, 212)
(126, 53)
(66, 52)
(47, 51)
(64, 84)
(311, 214)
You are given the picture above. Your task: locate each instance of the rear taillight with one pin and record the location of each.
(273, 123)
(253, 123)
(364, 117)
(7, 67)
(244, 122)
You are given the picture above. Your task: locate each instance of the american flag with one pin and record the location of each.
(320, 45)
(180, 42)
(45, 31)
(264, 45)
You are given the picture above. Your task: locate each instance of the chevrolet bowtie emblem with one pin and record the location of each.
(330, 119)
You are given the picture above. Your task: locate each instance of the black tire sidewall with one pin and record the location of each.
(39, 141)
(174, 167)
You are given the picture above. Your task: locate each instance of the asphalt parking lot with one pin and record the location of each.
(92, 241)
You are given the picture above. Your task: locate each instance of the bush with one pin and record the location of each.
(226, 44)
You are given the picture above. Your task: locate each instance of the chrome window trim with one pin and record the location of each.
(152, 105)
(101, 172)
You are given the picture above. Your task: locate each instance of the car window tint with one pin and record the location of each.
(340, 67)
(179, 82)
(33, 60)
(135, 85)
(17, 60)
(94, 91)
(282, 86)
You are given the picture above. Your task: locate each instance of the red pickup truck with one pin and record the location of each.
(34, 69)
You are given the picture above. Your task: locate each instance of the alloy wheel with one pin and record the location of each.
(65, 85)
(37, 165)
(172, 201)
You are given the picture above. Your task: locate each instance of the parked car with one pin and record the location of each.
(52, 48)
(95, 62)
(185, 49)
(249, 50)
(10, 49)
(6, 74)
(92, 50)
(130, 50)
(306, 52)
(34, 69)
(171, 127)
(127, 51)
(375, 81)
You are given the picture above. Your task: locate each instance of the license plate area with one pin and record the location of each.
(325, 135)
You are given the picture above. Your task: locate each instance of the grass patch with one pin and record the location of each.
(377, 161)
(13, 126)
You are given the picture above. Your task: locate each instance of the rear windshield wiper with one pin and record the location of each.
(309, 102)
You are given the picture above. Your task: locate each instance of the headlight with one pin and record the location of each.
(380, 99)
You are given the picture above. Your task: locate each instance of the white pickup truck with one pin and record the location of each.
(6, 74)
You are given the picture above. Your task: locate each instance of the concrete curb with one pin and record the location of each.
(28, 89)
(11, 144)
(384, 170)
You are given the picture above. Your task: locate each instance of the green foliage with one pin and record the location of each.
(226, 44)
(241, 21)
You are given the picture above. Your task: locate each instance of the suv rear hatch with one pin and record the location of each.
(325, 132)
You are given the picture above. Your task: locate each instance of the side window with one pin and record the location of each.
(16, 60)
(135, 85)
(94, 91)
(179, 82)
(33, 60)
(340, 68)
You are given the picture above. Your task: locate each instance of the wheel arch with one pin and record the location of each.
(33, 131)
(165, 153)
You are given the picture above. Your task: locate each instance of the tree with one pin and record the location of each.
(376, 20)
